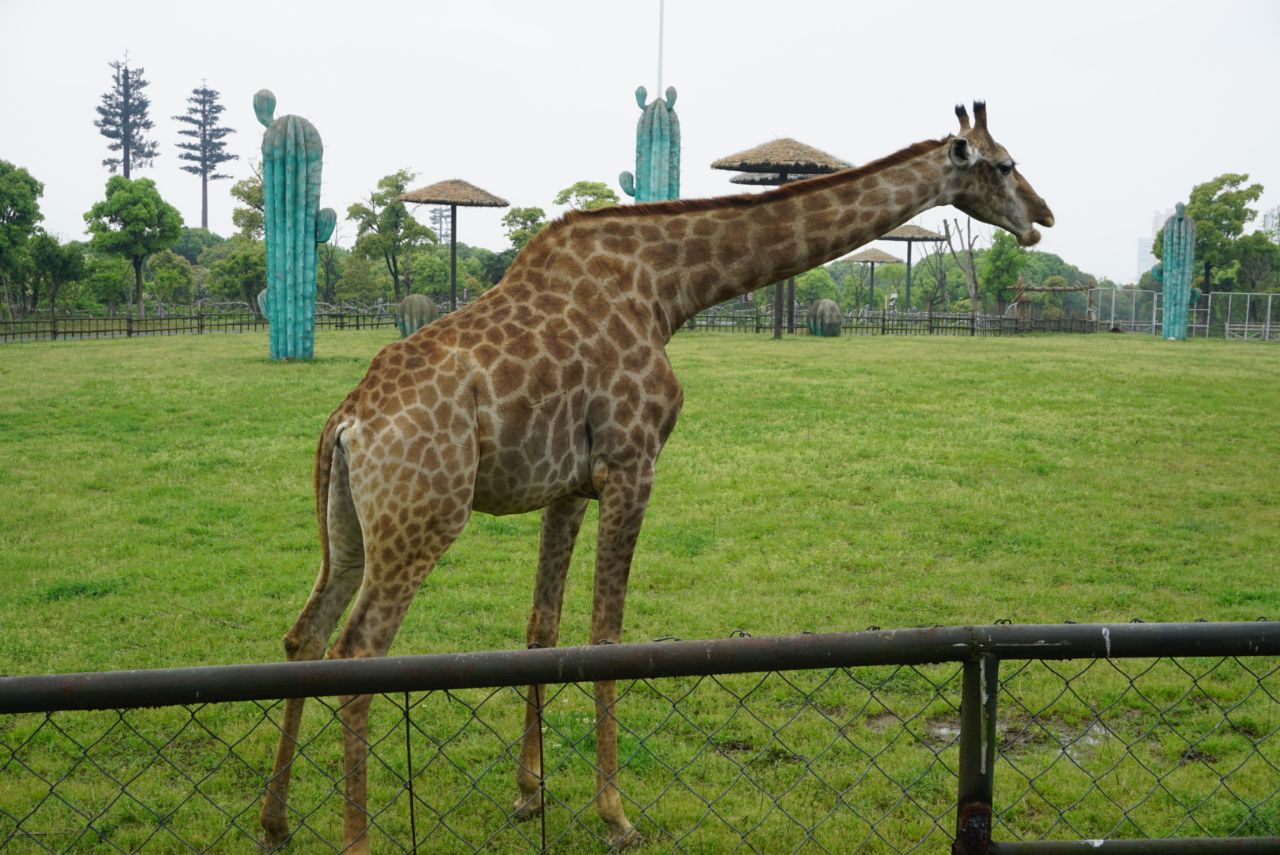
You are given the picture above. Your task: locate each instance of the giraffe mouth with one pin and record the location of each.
(1031, 237)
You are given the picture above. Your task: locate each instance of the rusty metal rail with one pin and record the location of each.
(216, 684)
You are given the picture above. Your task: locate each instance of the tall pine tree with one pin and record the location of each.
(206, 150)
(123, 119)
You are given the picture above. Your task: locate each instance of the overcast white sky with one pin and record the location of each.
(1113, 109)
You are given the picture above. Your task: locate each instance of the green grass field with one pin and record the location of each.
(155, 511)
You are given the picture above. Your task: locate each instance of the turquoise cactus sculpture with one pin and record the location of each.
(294, 224)
(825, 319)
(657, 176)
(413, 313)
(1174, 273)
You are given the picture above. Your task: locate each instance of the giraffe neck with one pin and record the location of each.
(764, 239)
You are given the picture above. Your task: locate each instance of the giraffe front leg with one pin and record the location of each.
(560, 523)
(622, 507)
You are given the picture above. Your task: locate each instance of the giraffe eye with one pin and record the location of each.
(1005, 168)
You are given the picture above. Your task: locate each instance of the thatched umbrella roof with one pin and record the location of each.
(871, 255)
(911, 233)
(785, 156)
(454, 192)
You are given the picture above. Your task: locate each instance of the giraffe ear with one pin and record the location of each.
(961, 153)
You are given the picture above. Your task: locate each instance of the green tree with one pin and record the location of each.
(386, 230)
(122, 118)
(360, 281)
(430, 274)
(815, 284)
(1259, 262)
(19, 213)
(1220, 209)
(172, 277)
(192, 242)
(239, 271)
(133, 221)
(587, 196)
(107, 279)
(329, 269)
(1042, 265)
(56, 264)
(207, 149)
(495, 264)
(523, 224)
(249, 216)
(999, 267)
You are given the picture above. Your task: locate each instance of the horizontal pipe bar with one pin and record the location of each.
(212, 684)
(1168, 846)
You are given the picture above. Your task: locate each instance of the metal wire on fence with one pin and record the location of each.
(884, 741)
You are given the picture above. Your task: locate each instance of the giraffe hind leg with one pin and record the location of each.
(561, 521)
(369, 630)
(341, 571)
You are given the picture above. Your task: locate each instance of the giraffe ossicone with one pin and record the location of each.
(554, 388)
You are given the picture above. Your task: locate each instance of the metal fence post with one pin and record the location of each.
(977, 755)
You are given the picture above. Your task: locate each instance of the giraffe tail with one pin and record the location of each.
(330, 441)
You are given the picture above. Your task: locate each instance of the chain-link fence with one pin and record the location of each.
(882, 741)
(1218, 314)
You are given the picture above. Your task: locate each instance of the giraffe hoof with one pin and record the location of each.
(527, 807)
(625, 838)
(275, 839)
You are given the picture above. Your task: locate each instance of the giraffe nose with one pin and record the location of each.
(1045, 219)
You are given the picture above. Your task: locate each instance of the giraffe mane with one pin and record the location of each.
(746, 200)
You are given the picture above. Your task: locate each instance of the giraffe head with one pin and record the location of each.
(985, 182)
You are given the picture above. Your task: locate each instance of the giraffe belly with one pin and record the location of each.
(530, 474)
(499, 495)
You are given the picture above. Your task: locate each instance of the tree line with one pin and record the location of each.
(139, 246)
(1228, 259)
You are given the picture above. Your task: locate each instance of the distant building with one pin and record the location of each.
(1271, 223)
(1145, 259)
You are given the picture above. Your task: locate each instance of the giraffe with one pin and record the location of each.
(553, 389)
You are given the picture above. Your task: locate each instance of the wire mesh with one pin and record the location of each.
(836, 760)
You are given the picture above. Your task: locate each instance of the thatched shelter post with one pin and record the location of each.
(911, 234)
(871, 257)
(453, 193)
